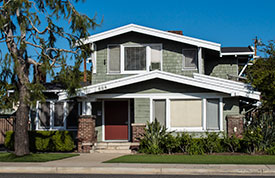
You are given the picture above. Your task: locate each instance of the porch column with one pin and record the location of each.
(235, 125)
(86, 134)
(137, 131)
(200, 60)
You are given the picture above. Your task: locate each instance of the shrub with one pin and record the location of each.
(252, 139)
(170, 143)
(42, 141)
(212, 142)
(153, 138)
(195, 147)
(232, 143)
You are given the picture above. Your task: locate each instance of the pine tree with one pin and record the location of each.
(32, 26)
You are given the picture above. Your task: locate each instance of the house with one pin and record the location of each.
(141, 74)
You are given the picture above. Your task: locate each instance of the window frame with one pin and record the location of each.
(122, 57)
(202, 97)
(183, 59)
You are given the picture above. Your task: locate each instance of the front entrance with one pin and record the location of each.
(116, 120)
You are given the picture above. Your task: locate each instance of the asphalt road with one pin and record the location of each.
(116, 176)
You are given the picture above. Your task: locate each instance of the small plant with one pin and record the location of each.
(170, 143)
(253, 139)
(195, 147)
(153, 138)
(212, 142)
(185, 140)
(233, 143)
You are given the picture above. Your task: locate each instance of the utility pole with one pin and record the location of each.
(85, 71)
(255, 45)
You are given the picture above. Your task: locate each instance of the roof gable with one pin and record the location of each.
(153, 32)
(199, 80)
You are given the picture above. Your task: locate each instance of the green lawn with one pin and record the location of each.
(195, 159)
(37, 157)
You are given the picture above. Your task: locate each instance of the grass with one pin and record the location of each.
(36, 157)
(195, 159)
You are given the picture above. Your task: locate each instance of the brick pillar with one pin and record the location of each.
(86, 134)
(235, 125)
(138, 131)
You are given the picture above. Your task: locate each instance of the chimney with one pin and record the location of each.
(179, 32)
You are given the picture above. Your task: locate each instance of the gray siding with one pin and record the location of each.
(142, 110)
(230, 107)
(172, 55)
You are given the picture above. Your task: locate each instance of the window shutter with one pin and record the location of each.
(212, 114)
(114, 59)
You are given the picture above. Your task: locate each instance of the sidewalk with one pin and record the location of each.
(92, 164)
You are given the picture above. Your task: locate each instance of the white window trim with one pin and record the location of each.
(188, 129)
(52, 108)
(122, 57)
(183, 58)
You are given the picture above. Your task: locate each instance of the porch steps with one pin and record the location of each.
(114, 147)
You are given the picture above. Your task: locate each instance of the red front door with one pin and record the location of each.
(116, 120)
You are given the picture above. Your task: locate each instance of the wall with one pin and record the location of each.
(142, 110)
(172, 55)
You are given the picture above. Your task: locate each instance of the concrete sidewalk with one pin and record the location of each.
(92, 164)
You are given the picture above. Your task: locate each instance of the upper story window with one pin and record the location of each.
(134, 58)
(190, 59)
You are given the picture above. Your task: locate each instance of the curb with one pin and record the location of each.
(134, 170)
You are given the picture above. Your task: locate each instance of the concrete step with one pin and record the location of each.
(113, 147)
(113, 151)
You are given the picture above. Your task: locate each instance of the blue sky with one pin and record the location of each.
(231, 23)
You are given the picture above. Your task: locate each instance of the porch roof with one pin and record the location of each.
(232, 88)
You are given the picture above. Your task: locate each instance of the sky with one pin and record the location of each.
(231, 22)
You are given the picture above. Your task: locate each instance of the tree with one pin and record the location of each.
(262, 75)
(30, 31)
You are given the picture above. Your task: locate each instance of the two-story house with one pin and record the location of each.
(141, 74)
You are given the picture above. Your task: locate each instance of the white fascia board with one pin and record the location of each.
(237, 54)
(201, 83)
(153, 32)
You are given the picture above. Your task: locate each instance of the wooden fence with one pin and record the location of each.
(6, 124)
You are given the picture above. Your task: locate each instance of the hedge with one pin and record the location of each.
(45, 141)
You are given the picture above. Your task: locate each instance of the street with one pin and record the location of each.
(118, 176)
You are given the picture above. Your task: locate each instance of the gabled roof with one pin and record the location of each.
(153, 32)
(202, 81)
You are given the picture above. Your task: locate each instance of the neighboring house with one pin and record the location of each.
(141, 74)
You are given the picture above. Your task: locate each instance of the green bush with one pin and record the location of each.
(270, 150)
(153, 138)
(195, 147)
(170, 144)
(45, 141)
(212, 142)
(232, 143)
(253, 139)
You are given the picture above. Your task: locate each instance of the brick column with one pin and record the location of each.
(235, 125)
(137, 131)
(86, 134)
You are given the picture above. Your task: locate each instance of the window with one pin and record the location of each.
(44, 114)
(186, 113)
(72, 117)
(190, 58)
(113, 58)
(212, 114)
(134, 58)
(58, 114)
(159, 111)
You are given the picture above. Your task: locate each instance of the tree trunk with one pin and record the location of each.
(21, 137)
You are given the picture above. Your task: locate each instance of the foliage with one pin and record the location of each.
(262, 75)
(253, 139)
(196, 147)
(153, 138)
(233, 143)
(212, 142)
(185, 141)
(271, 150)
(45, 141)
(30, 31)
